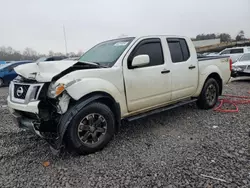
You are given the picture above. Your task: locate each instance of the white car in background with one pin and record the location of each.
(242, 66)
(235, 52)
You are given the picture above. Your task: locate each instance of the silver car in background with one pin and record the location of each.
(242, 66)
(235, 53)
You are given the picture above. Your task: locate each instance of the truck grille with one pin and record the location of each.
(23, 92)
(20, 91)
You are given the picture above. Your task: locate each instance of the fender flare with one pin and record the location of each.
(68, 116)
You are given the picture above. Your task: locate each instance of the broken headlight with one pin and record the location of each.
(55, 90)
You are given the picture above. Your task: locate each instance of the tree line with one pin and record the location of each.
(10, 54)
(224, 37)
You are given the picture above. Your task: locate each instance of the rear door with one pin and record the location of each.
(184, 68)
(149, 85)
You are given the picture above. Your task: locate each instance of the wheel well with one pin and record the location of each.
(217, 77)
(106, 99)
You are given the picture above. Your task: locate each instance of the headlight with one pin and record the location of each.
(55, 90)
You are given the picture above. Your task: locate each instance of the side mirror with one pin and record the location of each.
(140, 60)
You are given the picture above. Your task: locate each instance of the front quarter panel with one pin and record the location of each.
(89, 85)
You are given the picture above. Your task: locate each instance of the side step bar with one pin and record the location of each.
(159, 110)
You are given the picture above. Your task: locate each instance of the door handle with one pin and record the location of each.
(165, 71)
(191, 67)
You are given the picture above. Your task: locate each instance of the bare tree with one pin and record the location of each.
(224, 37)
(79, 53)
(240, 36)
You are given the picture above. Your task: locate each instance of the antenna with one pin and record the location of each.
(65, 40)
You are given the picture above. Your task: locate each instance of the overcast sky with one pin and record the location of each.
(39, 23)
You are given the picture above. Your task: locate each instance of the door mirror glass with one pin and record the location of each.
(140, 60)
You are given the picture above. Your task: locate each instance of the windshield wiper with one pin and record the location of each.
(95, 64)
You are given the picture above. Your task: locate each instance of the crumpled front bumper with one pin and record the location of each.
(19, 119)
(17, 111)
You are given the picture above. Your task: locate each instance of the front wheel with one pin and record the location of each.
(91, 129)
(209, 94)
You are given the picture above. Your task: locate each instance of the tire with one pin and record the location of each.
(1, 82)
(80, 136)
(209, 94)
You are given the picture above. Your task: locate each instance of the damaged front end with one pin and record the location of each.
(39, 107)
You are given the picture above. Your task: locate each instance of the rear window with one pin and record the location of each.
(236, 51)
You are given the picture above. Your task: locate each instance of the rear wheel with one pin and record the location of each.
(91, 129)
(1, 82)
(209, 94)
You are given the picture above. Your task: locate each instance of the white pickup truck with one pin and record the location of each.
(82, 103)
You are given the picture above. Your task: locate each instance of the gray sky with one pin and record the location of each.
(38, 23)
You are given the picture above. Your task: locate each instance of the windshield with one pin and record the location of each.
(245, 57)
(106, 53)
(40, 59)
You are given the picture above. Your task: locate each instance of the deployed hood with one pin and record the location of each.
(43, 71)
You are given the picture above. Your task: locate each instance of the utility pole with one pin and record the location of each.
(65, 40)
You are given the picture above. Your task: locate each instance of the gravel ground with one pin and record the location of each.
(184, 147)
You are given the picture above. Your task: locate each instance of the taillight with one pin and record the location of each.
(230, 64)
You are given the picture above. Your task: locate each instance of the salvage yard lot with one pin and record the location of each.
(178, 148)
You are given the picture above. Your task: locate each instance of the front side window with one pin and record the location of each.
(150, 47)
(225, 52)
(41, 59)
(106, 53)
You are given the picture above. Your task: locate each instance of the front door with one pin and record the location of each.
(149, 85)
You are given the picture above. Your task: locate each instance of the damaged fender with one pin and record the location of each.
(68, 116)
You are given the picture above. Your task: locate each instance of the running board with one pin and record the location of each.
(159, 110)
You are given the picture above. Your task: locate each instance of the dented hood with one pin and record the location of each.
(43, 71)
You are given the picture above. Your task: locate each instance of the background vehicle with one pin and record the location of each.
(242, 66)
(50, 58)
(72, 58)
(84, 101)
(7, 72)
(235, 52)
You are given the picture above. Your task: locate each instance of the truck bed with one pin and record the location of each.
(205, 58)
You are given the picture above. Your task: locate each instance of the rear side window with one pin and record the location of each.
(178, 49)
(150, 47)
(236, 51)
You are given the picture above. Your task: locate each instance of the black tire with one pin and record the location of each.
(1, 82)
(74, 136)
(205, 101)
